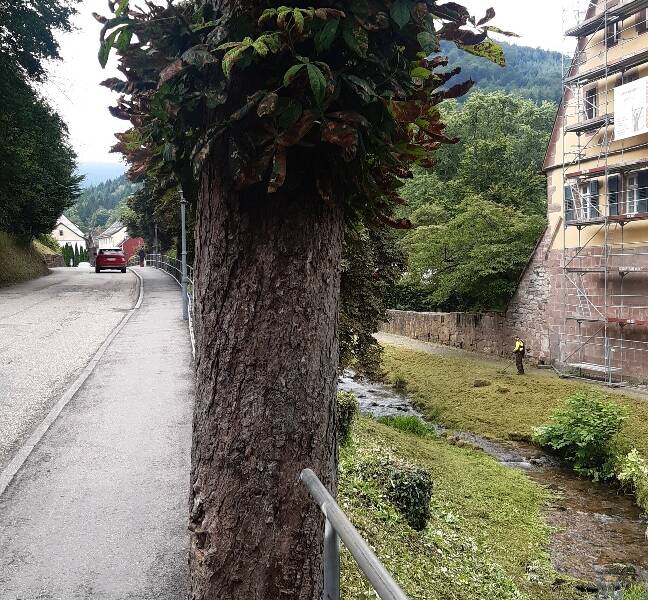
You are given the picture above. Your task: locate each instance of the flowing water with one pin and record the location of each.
(600, 533)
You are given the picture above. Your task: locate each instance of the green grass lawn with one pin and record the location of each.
(485, 540)
(442, 388)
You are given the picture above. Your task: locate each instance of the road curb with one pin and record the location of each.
(10, 471)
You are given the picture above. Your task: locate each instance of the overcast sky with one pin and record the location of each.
(74, 89)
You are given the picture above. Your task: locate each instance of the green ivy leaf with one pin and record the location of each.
(288, 112)
(428, 42)
(106, 47)
(266, 15)
(489, 50)
(317, 83)
(124, 39)
(325, 36)
(298, 17)
(292, 73)
(121, 7)
(420, 73)
(400, 12)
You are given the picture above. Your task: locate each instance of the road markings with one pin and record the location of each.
(10, 471)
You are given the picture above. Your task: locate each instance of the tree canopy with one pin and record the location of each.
(480, 211)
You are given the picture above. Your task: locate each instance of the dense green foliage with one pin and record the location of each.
(479, 213)
(583, 433)
(532, 73)
(27, 32)
(346, 410)
(100, 205)
(372, 264)
(19, 260)
(36, 161)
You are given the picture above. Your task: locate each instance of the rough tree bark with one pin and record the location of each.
(267, 289)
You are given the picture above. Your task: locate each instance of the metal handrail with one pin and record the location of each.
(338, 525)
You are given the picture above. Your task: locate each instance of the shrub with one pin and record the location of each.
(632, 471)
(347, 408)
(410, 424)
(409, 488)
(583, 433)
(47, 239)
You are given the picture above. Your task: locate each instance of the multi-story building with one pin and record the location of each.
(595, 251)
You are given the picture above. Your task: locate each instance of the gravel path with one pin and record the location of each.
(49, 329)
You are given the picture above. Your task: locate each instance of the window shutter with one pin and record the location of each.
(569, 204)
(594, 196)
(613, 195)
(643, 191)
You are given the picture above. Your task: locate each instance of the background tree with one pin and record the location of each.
(481, 210)
(279, 122)
(36, 160)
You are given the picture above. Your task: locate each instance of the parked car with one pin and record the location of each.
(110, 258)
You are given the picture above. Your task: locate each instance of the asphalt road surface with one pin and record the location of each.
(49, 329)
(99, 509)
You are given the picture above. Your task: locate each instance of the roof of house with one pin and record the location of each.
(63, 220)
(112, 229)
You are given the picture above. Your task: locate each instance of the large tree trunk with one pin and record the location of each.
(267, 294)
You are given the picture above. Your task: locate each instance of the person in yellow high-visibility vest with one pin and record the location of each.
(520, 350)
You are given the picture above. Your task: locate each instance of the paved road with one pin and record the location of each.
(99, 509)
(49, 329)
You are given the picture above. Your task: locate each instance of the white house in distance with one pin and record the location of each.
(113, 237)
(67, 232)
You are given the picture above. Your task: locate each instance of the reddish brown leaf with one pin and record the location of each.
(278, 170)
(170, 71)
(297, 132)
(343, 135)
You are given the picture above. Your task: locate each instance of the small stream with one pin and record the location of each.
(600, 533)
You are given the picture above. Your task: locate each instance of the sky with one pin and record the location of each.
(74, 90)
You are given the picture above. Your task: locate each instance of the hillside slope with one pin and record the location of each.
(531, 72)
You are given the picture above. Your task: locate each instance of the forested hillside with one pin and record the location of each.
(99, 205)
(531, 72)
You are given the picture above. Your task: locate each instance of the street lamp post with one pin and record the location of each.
(185, 297)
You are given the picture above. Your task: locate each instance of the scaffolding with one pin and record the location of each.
(604, 309)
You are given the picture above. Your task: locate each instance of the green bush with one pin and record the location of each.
(632, 471)
(409, 489)
(636, 591)
(47, 239)
(584, 432)
(347, 409)
(410, 424)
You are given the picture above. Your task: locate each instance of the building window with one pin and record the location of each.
(61, 232)
(632, 194)
(589, 202)
(613, 33)
(591, 103)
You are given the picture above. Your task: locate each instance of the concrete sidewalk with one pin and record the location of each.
(99, 509)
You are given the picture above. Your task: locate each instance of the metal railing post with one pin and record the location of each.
(185, 298)
(331, 563)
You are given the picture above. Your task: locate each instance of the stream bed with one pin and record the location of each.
(600, 533)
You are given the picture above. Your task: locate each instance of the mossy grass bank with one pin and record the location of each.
(485, 537)
(20, 260)
(442, 388)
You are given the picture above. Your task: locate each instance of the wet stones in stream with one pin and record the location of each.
(599, 533)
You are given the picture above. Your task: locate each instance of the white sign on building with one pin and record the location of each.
(631, 109)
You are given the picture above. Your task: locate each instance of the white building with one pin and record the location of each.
(67, 232)
(112, 237)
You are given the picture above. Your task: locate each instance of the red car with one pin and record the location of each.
(110, 258)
